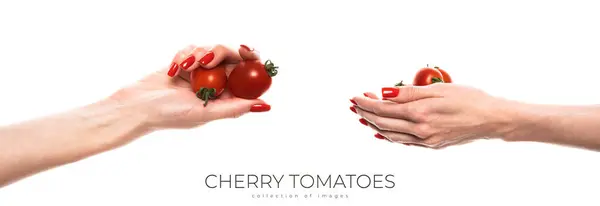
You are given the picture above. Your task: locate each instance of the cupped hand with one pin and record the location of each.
(435, 116)
(167, 98)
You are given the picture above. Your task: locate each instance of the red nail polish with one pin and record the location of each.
(207, 58)
(246, 47)
(173, 69)
(366, 94)
(353, 109)
(260, 108)
(390, 92)
(353, 102)
(187, 63)
(364, 122)
(379, 136)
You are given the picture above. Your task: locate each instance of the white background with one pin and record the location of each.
(57, 55)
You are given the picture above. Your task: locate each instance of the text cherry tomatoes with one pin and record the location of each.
(427, 76)
(209, 83)
(445, 75)
(250, 79)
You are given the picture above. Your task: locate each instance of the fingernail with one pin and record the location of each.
(366, 95)
(353, 102)
(260, 108)
(364, 122)
(207, 58)
(390, 92)
(379, 136)
(187, 63)
(353, 109)
(246, 47)
(173, 69)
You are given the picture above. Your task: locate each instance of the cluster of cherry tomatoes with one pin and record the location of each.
(427, 75)
(250, 79)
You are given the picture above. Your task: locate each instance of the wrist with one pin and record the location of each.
(116, 121)
(522, 119)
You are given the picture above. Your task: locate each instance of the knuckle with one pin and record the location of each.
(409, 93)
(219, 47)
(423, 131)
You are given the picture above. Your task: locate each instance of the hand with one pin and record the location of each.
(168, 100)
(434, 116)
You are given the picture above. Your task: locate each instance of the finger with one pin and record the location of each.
(217, 55)
(390, 109)
(391, 124)
(397, 137)
(191, 61)
(392, 136)
(248, 53)
(175, 67)
(235, 107)
(405, 94)
(371, 95)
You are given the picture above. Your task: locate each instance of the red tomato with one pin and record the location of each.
(209, 83)
(250, 79)
(445, 75)
(427, 76)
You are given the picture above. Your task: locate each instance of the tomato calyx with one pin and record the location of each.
(206, 94)
(436, 80)
(271, 68)
(400, 84)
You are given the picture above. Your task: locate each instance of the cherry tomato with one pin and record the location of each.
(445, 75)
(250, 79)
(209, 83)
(427, 76)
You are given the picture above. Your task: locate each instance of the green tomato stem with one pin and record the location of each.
(206, 94)
(436, 80)
(271, 68)
(400, 84)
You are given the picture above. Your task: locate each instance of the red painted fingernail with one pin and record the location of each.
(353, 102)
(173, 69)
(379, 136)
(364, 121)
(207, 58)
(246, 47)
(260, 108)
(187, 63)
(390, 92)
(366, 95)
(353, 109)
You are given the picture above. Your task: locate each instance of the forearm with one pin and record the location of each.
(577, 126)
(31, 147)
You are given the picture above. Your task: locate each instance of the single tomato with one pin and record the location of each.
(445, 75)
(250, 79)
(209, 83)
(427, 76)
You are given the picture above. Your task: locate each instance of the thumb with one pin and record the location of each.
(236, 107)
(405, 94)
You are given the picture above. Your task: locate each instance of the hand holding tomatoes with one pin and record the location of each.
(208, 76)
